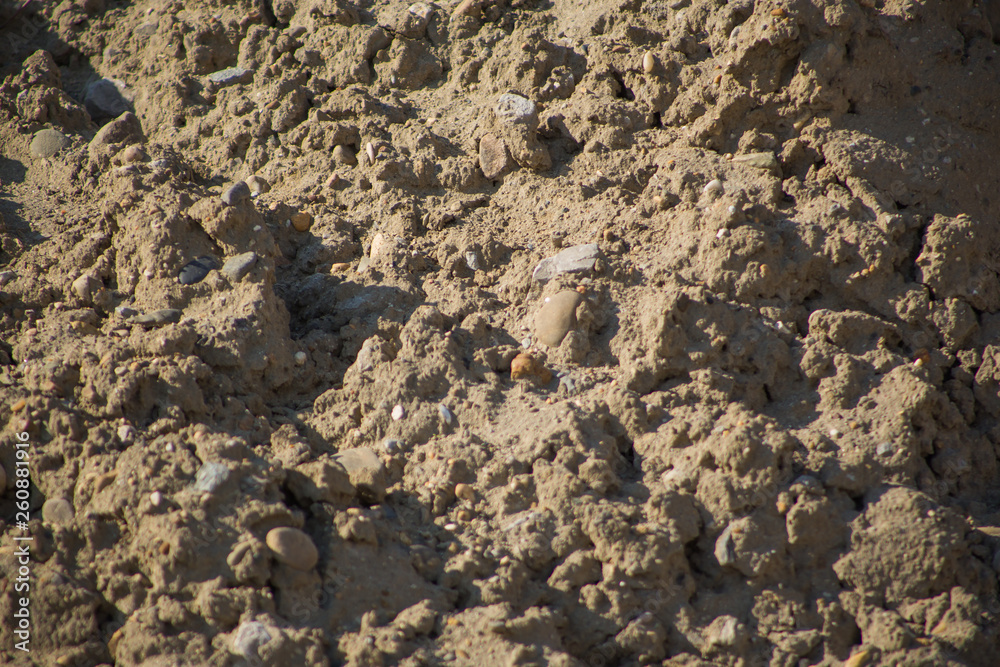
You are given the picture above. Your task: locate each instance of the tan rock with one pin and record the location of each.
(555, 319)
(493, 157)
(293, 547)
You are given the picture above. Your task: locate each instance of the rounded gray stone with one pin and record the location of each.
(236, 194)
(293, 547)
(210, 477)
(47, 143)
(239, 266)
(104, 99)
(513, 108)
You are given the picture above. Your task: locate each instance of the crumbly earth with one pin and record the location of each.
(767, 430)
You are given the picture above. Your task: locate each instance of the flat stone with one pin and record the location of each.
(494, 159)
(557, 317)
(158, 317)
(124, 129)
(293, 547)
(231, 75)
(57, 511)
(765, 160)
(210, 477)
(105, 98)
(236, 194)
(196, 270)
(236, 268)
(364, 467)
(571, 260)
(513, 108)
(47, 143)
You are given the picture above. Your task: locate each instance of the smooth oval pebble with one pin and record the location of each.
(648, 62)
(302, 221)
(293, 547)
(196, 270)
(239, 266)
(57, 511)
(398, 412)
(47, 143)
(446, 414)
(236, 193)
(555, 319)
(714, 187)
(465, 492)
(133, 154)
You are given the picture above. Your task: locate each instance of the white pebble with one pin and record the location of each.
(446, 414)
(398, 412)
(834, 433)
(300, 358)
(714, 187)
(156, 498)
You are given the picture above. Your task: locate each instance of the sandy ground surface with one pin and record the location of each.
(502, 333)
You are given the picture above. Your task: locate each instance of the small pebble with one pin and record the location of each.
(156, 498)
(104, 99)
(293, 547)
(398, 412)
(210, 477)
(196, 270)
(158, 317)
(714, 188)
(344, 156)
(465, 492)
(236, 194)
(231, 75)
(526, 367)
(648, 62)
(57, 511)
(884, 448)
(300, 358)
(236, 268)
(514, 109)
(834, 433)
(248, 638)
(446, 414)
(257, 185)
(302, 221)
(378, 241)
(370, 151)
(340, 267)
(46, 143)
(85, 286)
(557, 317)
(494, 159)
(133, 154)
(126, 433)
